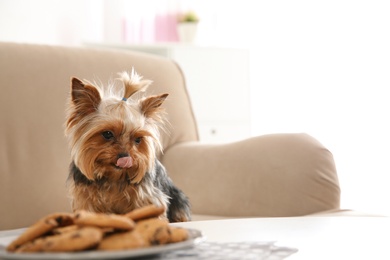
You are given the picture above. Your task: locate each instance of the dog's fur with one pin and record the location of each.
(114, 138)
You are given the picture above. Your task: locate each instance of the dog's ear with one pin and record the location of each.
(151, 106)
(85, 97)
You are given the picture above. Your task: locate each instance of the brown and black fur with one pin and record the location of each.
(114, 138)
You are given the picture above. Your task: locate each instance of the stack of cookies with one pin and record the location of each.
(82, 230)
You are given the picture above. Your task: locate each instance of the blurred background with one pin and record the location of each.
(319, 67)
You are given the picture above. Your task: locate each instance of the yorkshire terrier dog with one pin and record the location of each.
(114, 136)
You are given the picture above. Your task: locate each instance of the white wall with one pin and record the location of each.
(323, 68)
(58, 22)
(320, 67)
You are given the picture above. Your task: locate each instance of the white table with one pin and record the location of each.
(314, 237)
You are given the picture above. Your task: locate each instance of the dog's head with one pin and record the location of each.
(114, 132)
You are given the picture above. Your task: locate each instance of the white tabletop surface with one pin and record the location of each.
(314, 237)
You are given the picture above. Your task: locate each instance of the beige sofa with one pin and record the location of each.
(268, 176)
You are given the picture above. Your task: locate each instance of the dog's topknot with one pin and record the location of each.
(133, 83)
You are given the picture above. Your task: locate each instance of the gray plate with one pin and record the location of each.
(195, 237)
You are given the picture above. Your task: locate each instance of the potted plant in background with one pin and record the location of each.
(187, 26)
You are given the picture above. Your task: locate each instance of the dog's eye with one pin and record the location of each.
(108, 135)
(137, 140)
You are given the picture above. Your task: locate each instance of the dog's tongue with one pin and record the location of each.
(124, 162)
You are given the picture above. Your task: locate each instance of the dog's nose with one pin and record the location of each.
(121, 155)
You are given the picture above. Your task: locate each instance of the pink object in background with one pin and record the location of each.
(166, 28)
(162, 29)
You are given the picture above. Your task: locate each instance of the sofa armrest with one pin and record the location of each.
(271, 175)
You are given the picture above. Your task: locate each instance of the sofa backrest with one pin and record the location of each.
(34, 87)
